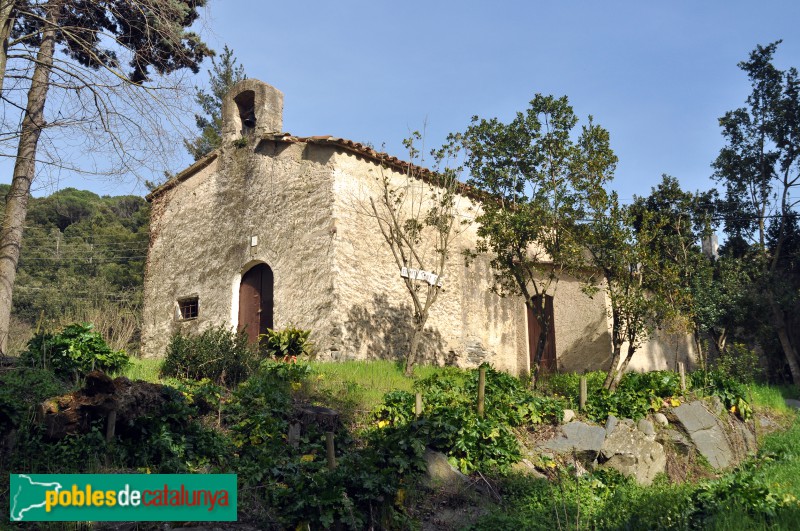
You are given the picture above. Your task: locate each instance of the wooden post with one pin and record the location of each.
(111, 423)
(331, 450)
(682, 372)
(584, 393)
(481, 390)
(293, 437)
(418, 405)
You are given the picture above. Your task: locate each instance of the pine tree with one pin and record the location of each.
(223, 75)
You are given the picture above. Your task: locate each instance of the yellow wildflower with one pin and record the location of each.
(674, 402)
(383, 423)
(307, 458)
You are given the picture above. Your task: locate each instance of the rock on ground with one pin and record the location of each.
(633, 452)
(525, 467)
(708, 433)
(647, 428)
(582, 439)
(441, 474)
(675, 440)
(661, 419)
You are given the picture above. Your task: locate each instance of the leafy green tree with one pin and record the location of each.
(538, 182)
(82, 260)
(722, 298)
(630, 276)
(676, 220)
(673, 222)
(759, 167)
(79, 47)
(223, 75)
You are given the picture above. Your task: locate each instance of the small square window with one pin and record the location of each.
(188, 308)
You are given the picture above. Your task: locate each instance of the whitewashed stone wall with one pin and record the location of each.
(201, 234)
(467, 324)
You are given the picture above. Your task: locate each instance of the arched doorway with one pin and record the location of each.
(256, 301)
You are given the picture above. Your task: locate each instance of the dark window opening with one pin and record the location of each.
(246, 103)
(188, 308)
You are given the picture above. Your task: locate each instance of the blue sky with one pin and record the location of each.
(657, 75)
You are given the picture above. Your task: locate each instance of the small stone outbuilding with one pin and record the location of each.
(270, 230)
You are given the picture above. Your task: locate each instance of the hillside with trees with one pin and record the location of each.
(82, 259)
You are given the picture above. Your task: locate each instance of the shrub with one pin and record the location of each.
(294, 483)
(636, 395)
(286, 372)
(450, 422)
(567, 384)
(739, 363)
(731, 392)
(258, 412)
(170, 440)
(72, 353)
(23, 389)
(222, 356)
(287, 343)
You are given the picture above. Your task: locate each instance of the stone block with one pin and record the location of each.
(707, 433)
(633, 454)
(582, 439)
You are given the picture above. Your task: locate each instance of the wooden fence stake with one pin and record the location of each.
(584, 392)
(418, 405)
(331, 450)
(111, 424)
(293, 437)
(481, 390)
(682, 372)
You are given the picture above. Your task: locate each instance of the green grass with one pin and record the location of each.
(772, 396)
(782, 471)
(359, 386)
(143, 369)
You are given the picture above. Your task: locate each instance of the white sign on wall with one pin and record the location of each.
(419, 274)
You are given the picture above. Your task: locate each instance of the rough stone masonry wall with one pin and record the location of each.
(201, 233)
(467, 324)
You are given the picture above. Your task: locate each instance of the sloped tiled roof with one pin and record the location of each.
(344, 144)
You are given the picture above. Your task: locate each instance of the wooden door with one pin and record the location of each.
(534, 329)
(255, 301)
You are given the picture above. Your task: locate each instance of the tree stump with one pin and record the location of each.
(323, 418)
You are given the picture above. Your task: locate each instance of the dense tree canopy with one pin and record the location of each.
(539, 179)
(759, 167)
(82, 259)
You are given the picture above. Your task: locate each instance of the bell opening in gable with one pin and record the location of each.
(246, 104)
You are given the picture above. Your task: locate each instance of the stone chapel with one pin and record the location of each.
(265, 232)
